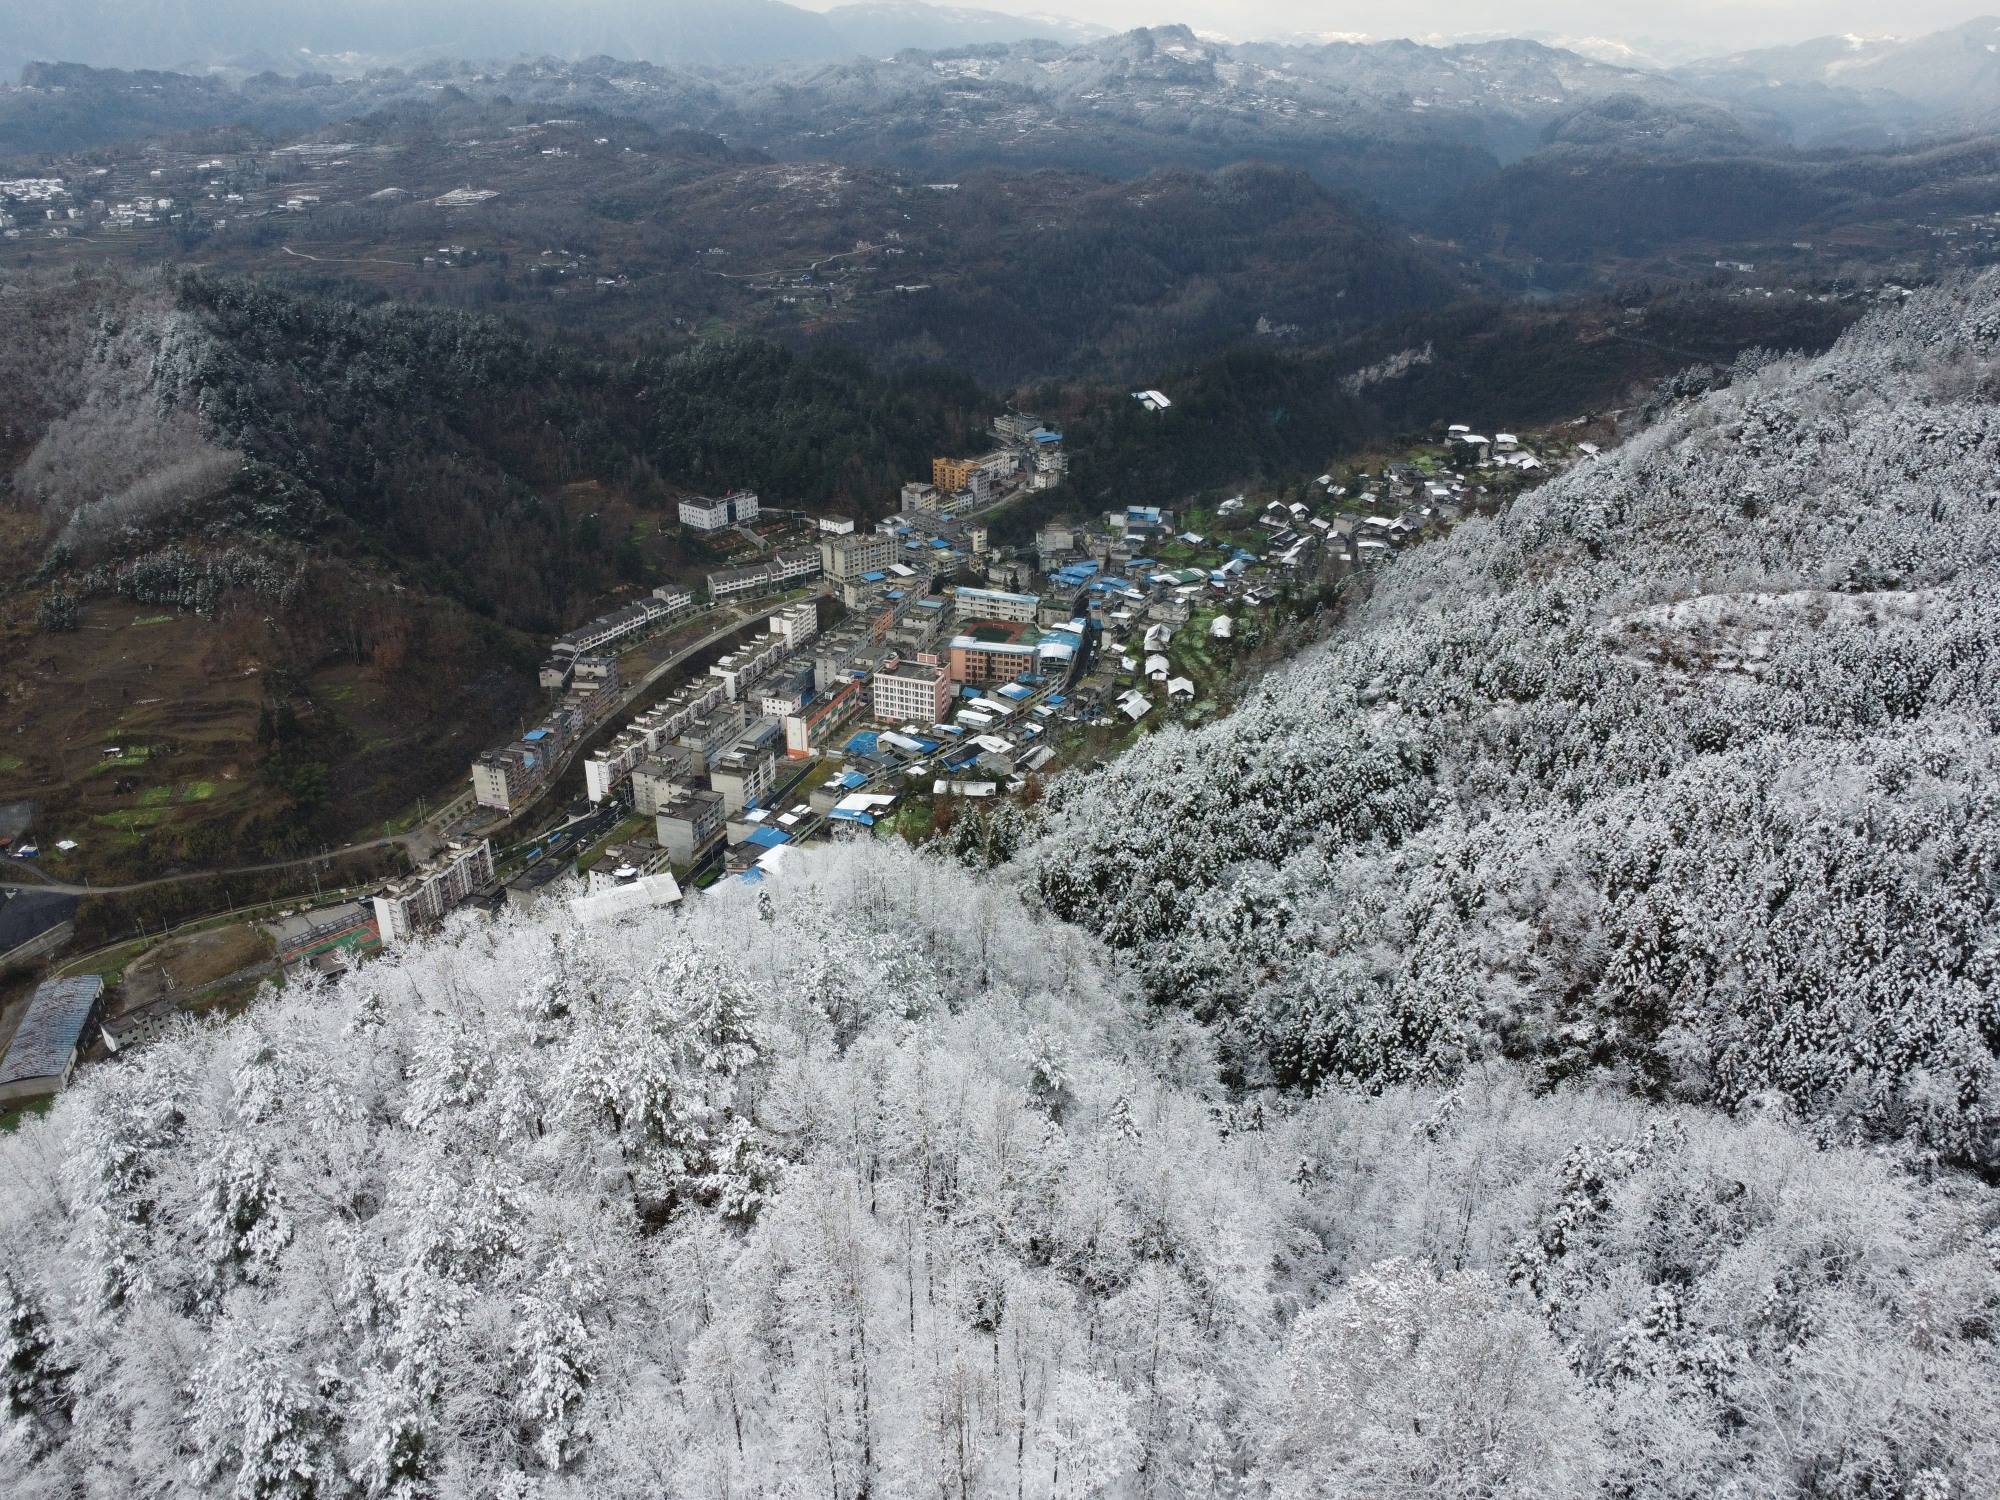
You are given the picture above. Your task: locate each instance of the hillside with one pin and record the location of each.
(866, 1182)
(1680, 772)
(1800, 217)
(604, 225)
(298, 555)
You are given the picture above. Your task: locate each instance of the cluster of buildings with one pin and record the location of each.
(506, 778)
(32, 201)
(767, 680)
(582, 666)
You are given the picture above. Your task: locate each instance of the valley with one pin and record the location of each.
(892, 751)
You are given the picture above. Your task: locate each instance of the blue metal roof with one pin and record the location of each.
(864, 743)
(768, 838)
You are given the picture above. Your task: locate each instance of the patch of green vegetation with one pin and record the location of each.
(129, 756)
(13, 1118)
(153, 620)
(156, 796)
(340, 692)
(10, 763)
(197, 791)
(129, 820)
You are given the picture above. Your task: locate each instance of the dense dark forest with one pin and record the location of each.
(447, 441)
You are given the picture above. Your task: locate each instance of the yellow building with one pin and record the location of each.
(951, 475)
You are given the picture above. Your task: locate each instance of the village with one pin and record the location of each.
(830, 682)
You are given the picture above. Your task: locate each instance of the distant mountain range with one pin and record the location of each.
(1862, 90)
(873, 60)
(290, 36)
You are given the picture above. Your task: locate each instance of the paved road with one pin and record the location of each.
(420, 838)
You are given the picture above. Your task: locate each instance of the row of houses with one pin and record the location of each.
(771, 575)
(705, 713)
(507, 778)
(616, 630)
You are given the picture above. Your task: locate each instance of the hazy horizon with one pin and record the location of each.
(178, 33)
(1696, 27)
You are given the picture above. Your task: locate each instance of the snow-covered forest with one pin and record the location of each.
(1534, 1049)
(775, 1199)
(1683, 771)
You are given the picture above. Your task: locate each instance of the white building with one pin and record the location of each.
(847, 557)
(798, 623)
(993, 604)
(406, 906)
(702, 513)
(915, 690)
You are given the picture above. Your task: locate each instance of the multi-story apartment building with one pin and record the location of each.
(710, 736)
(950, 475)
(1016, 427)
(595, 674)
(737, 583)
(701, 513)
(690, 825)
(499, 777)
(799, 563)
(843, 558)
(921, 497)
(775, 572)
(747, 773)
(993, 604)
(798, 624)
(406, 906)
(661, 777)
(915, 689)
(741, 669)
(814, 726)
(620, 625)
(784, 692)
(979, 661)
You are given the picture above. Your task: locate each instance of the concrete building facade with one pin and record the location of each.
(915, 689)
(418, 900)
(703, 513)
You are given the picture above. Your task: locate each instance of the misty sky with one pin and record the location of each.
(1705, 25)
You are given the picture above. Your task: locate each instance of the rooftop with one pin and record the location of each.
(49, 1032)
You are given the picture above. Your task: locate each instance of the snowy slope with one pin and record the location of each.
(1681, 772)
